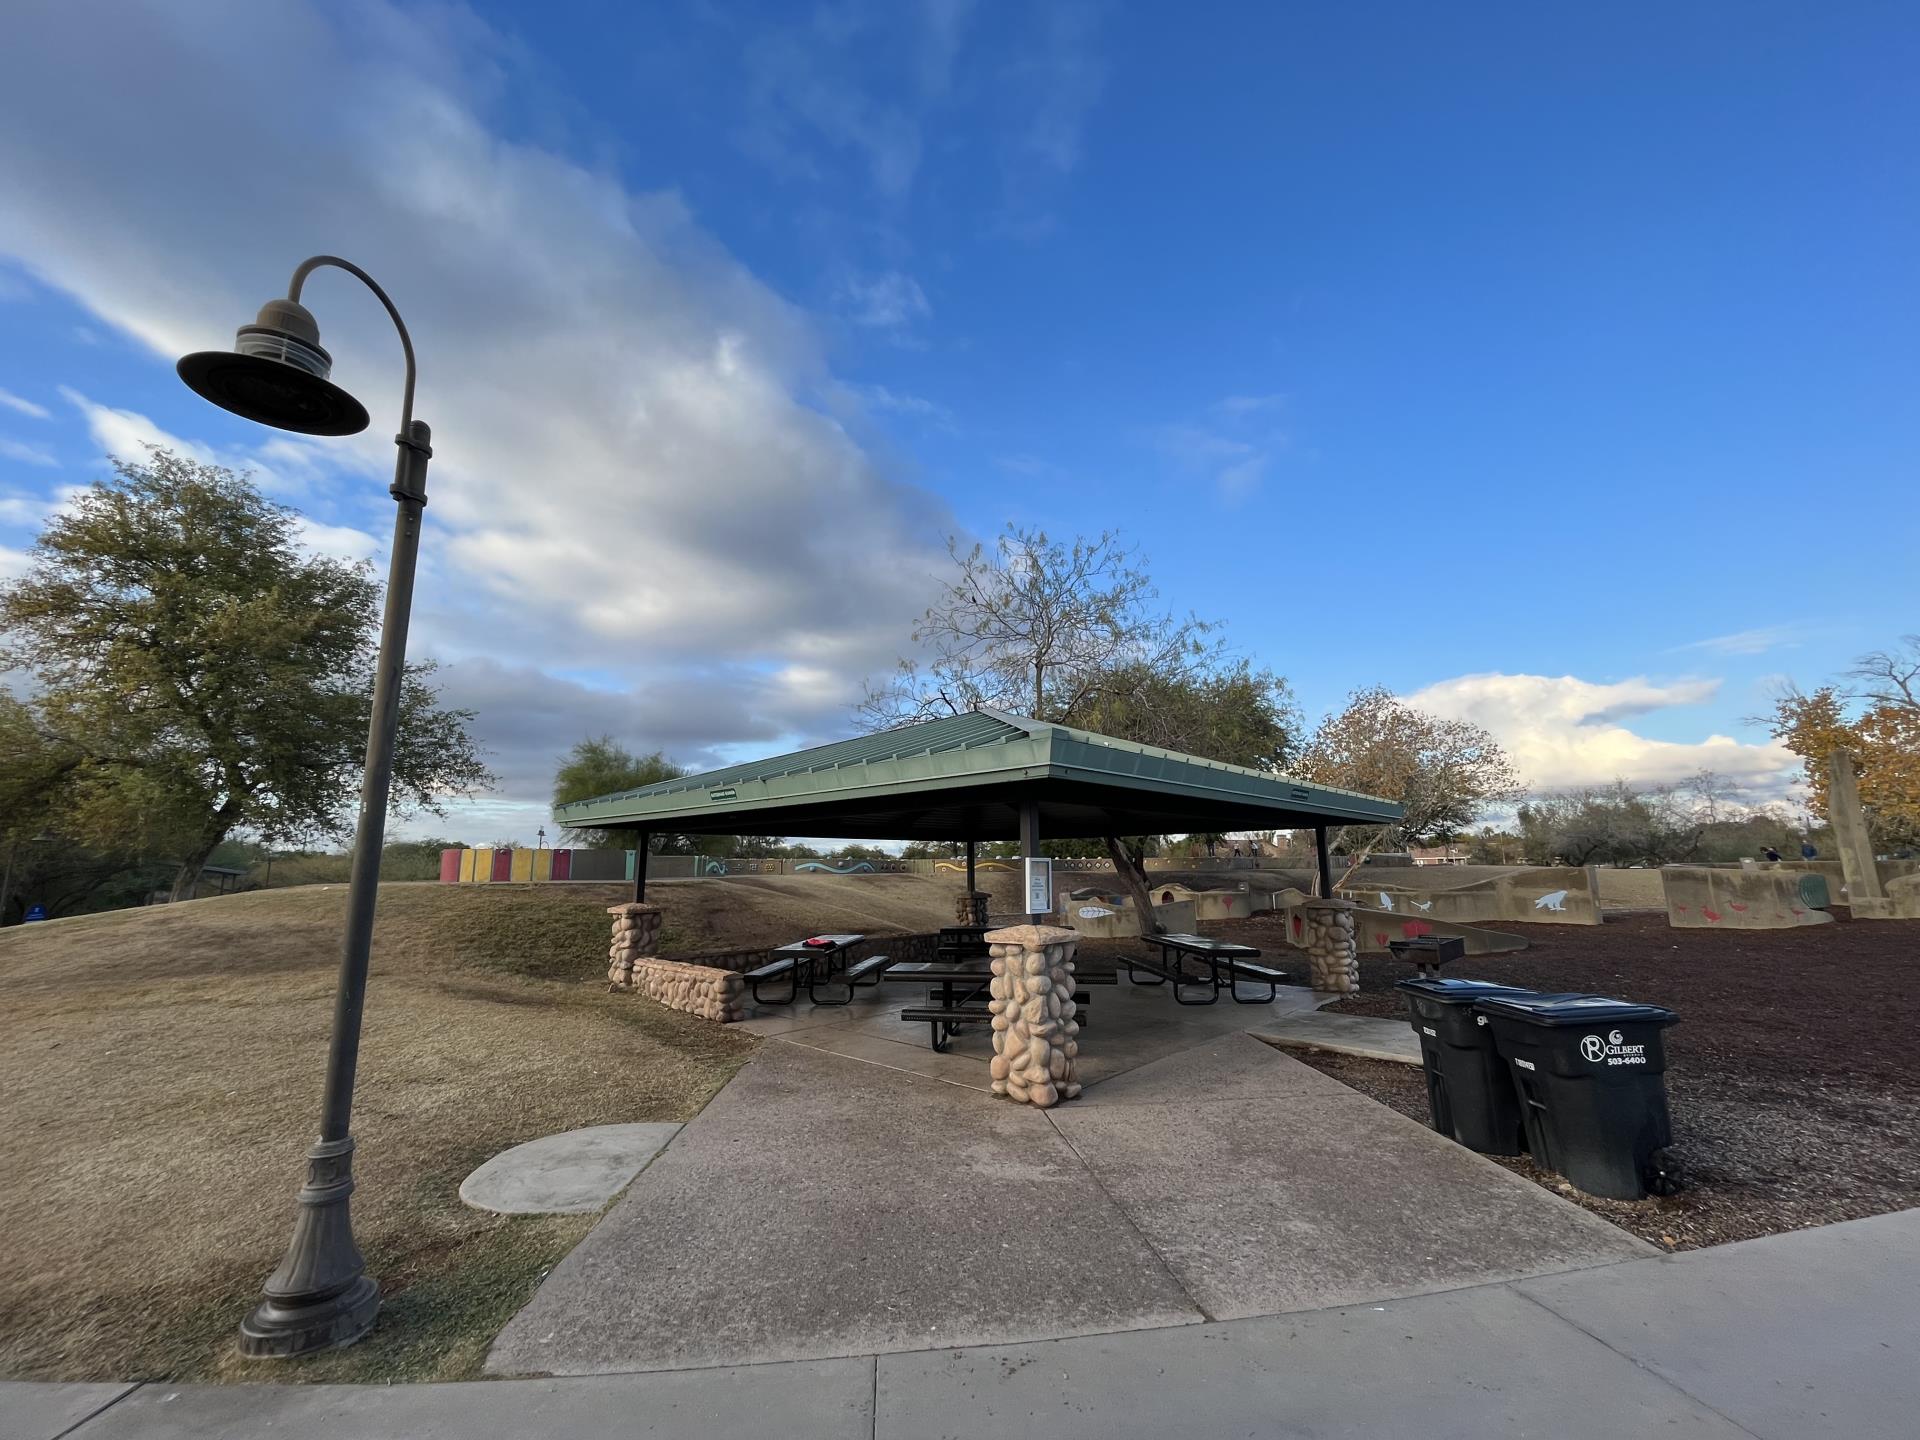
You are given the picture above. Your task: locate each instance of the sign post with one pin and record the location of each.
(1039, 874)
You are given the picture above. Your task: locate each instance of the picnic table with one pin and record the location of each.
(817, 961)
(1226, 964)
(957, 995)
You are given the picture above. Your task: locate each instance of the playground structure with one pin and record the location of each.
(1704, 896)
(1374, 929)
(1557, 895)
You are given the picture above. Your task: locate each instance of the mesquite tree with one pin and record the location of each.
(1072, 632)
(195, 673)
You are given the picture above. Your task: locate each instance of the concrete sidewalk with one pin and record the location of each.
(1795, 1337)
(823, 1206)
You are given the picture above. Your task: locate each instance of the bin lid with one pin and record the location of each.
(1457, 992)
(1573, 1009)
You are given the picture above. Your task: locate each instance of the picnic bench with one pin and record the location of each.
(961, 1000)
(818, 962)
(1227, 965)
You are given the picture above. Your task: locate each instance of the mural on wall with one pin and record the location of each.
(1552, 900)
(959, 867)
(859, 867)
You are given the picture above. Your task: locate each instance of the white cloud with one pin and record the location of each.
(883, 401)
(888, 301)
(1561, 731)
(1746, 642)
(13, 563)
(343, 542)
(25, 406)
(26, 454)
(624, 479)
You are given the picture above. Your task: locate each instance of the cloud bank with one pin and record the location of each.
(641, 511)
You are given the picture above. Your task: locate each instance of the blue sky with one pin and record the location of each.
(1554, 368)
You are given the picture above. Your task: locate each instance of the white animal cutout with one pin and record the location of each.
(1423, 904)
(1553, 900)
(1386, 901)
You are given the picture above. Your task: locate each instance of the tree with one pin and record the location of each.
(1879, 725)
(1071, 632)
(601, 765)
(198, 674)
(1039, 628)
(1445, 773)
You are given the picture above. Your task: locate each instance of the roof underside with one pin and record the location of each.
(966, 778)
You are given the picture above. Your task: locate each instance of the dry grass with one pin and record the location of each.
(159, 1078)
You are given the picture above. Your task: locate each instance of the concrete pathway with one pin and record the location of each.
(571, 1173)
(1361, 1035)
(1798, 1337)
(824, 1206)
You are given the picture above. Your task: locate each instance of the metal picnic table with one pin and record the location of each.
(1222, 958)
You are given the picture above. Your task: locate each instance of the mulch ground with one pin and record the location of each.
(1791, 1075)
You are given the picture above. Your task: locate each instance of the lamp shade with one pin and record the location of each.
(276, 374)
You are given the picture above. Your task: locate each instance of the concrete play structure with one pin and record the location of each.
(1375, 928)
(1545, 895)
(1714, 897)
(1101, 917)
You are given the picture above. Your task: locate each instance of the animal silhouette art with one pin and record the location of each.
(1386, 901)
(1423, 904)
(1552, 900)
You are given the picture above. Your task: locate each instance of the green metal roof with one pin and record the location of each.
(966, 777)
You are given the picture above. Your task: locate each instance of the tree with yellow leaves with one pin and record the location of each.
(1879, 724)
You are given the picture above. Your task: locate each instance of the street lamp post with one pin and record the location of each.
(276, 373)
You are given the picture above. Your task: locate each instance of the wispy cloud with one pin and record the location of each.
(883, 401)
(1240, 406)
(26, 407)
(891, 300)
(1745, 642)
(26, 454)
(1031, 467)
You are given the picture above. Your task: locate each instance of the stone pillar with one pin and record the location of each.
(1333, 956)
(636, 936)
(1035, 1037)
(1866, 896)
(970, 907)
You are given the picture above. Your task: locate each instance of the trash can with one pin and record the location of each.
(1468, 1091)
(1590, 1074)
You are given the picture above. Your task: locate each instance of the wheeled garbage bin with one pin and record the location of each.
(1590, 1074)
(1468, 1091)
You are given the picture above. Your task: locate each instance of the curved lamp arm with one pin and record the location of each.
(307, 267)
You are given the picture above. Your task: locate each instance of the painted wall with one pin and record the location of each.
(1373, 929)
(1708, 898)
(1547, 895)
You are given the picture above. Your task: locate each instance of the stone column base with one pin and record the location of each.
(970, 907)
(636, 936)
(1035, 1036)
(1333, 957)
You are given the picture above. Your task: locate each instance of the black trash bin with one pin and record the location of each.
(1467, 1086)
(1590, 1074)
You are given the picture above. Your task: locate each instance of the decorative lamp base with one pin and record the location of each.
(279, 1332)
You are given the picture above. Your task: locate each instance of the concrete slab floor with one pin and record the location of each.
(44, 1412)
(821, 1400)
(1314, 1195)
(571, 1173)
(820, 1207)
(1775, 1333)
(1462, 1366)
(1362, 1035)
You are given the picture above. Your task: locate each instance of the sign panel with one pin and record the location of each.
(724, 794)
(36, 912)
(1039, 885)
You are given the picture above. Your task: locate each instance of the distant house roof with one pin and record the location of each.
(967, 777)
